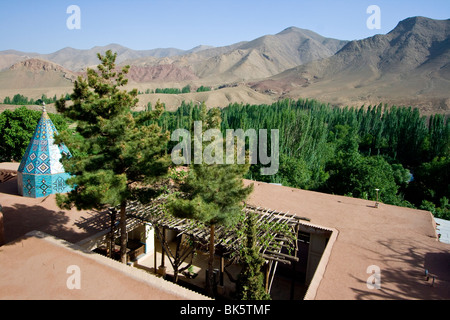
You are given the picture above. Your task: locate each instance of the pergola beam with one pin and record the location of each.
(269, 223)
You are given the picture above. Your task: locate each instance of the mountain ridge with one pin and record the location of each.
(36, 73)
(410, 65)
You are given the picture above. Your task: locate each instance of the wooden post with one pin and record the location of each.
(155, 252)
(123, 232)
(177, 261)
(266, 276)
(162, 267)
(162, 247)
(294, 263)
(222, 267)
(112, 240)
(210, 271)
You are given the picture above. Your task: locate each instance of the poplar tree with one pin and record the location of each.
(118, 156)
(212, 194)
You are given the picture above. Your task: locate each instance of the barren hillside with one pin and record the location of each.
(216, 98)
(267, 55)
(35, 73)
(166, 72)
(410, 65)
(10, 57)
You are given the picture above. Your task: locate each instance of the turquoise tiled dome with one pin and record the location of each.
(40, 171)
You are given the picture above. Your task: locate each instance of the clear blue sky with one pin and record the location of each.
(40, 25)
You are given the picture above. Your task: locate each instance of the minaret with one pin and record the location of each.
(40, 171)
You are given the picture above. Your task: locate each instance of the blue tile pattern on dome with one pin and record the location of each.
(40, 171)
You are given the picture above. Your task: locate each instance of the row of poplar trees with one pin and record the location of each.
(347, 151)
(120, 157)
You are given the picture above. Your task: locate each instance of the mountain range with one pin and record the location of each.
(408, 66)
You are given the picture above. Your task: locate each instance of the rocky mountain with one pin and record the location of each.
(10, 57)
(79, 59)
(36, 73)
(164, 72)
(410, 64)
(262, 57)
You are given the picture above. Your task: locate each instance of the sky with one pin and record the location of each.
(45, 26)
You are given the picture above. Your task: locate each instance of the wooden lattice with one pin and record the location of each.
(276, 231)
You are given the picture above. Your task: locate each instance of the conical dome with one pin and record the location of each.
(40, 171)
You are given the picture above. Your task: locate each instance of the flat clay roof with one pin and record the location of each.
(38, 266)
(402, 242)
(22, 215)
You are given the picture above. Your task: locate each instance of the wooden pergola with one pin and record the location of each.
(276, 233)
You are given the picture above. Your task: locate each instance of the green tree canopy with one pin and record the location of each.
(250, 284)
(212, 193)
(17, 128)
(120, 158)
(359, 176)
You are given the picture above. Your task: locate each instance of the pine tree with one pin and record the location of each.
(119, 157)
(214, 194)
